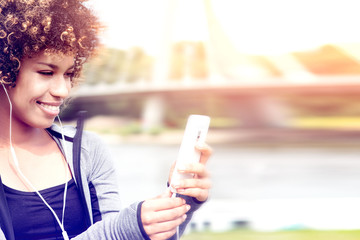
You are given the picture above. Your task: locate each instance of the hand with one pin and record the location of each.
(197, 187)
(160, 216)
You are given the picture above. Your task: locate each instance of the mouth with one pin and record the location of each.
(50, 108)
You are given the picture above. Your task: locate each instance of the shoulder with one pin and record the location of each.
(90, 142)
(93, 148)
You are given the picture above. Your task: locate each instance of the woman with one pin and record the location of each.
(55, 182)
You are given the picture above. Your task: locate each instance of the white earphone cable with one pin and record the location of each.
(16, 162)
(66, 172)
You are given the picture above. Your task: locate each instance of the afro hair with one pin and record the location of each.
(28, 27)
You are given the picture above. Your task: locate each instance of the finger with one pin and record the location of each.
(198, 193)
(204, 183)
(198, 188)
(200, 171)
(165, 215)
(195, 168)
(160, 204)
(191, 188)
(205, 151)
(162, 235)
(162, 228)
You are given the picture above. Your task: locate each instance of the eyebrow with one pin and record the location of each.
(53, 66)
(48, 64)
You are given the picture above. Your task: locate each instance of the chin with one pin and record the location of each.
(43, 124)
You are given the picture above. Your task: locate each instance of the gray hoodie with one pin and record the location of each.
(95, 176)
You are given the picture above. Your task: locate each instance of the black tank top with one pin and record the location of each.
(33, 220)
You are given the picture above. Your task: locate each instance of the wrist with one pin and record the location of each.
(139, 221)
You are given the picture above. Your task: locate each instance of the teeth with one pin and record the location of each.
(52, 108)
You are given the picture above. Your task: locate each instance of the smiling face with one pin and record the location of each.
(43, 82)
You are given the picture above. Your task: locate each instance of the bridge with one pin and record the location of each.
(189, 70)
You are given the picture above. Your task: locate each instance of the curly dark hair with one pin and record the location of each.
(28, 27)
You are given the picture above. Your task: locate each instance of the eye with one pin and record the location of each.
(70, 75)
(46, 73)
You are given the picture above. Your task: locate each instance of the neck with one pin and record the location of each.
(20, 136)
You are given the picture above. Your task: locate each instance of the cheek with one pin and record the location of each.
(26, 93)
(69, 85)
(18, 100)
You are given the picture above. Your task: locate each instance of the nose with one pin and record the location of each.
(60, 87)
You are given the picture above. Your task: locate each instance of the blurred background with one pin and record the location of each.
(280, 80)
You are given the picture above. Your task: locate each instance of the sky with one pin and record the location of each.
(252, 26)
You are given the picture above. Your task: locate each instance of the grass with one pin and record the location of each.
(280, 235)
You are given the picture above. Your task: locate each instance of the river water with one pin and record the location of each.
(263, 187)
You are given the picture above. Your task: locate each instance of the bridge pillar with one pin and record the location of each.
(261, 111)
(153, 112)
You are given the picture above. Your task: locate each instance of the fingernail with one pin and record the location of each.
(188, 207)
(184, 216)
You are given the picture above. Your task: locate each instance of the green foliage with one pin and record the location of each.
(133, 128)
(155, 131)
(115, 65)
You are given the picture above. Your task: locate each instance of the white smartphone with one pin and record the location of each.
(196, 129)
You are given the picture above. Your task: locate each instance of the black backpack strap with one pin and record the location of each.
(59, 136)
(5, 218)
(76, 161)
